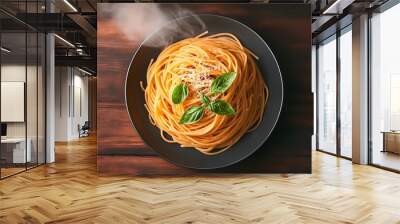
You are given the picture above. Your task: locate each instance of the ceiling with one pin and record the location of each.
(76, 22)
(72, 20)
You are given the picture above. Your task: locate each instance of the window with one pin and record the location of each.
(327, 95)
(334, 62)
(346, 92)
(385, 88)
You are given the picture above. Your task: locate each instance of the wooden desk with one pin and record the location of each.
(391, 141)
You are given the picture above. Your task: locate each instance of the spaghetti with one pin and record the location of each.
(197, 62)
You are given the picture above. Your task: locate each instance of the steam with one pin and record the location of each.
(137, 21)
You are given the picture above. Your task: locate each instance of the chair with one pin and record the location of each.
(84, 130)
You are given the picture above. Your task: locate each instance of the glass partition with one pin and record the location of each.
(22, 77)
(13, 105)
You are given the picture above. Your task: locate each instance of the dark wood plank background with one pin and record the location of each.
(287, 30)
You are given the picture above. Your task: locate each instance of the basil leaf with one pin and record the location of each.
(192, 115)
(204, 99)
(180, 93)
(221, 107)
(223, 82)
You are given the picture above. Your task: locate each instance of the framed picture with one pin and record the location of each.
(204, 88)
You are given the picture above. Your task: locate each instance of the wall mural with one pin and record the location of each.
(189, 88)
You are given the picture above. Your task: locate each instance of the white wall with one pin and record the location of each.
(80, 109)
(14, 73)
(71, 102)
(17, 73)
(62, 81)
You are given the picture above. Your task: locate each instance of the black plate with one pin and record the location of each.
(189, 157)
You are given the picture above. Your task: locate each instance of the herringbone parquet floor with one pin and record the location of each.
(70, 191)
